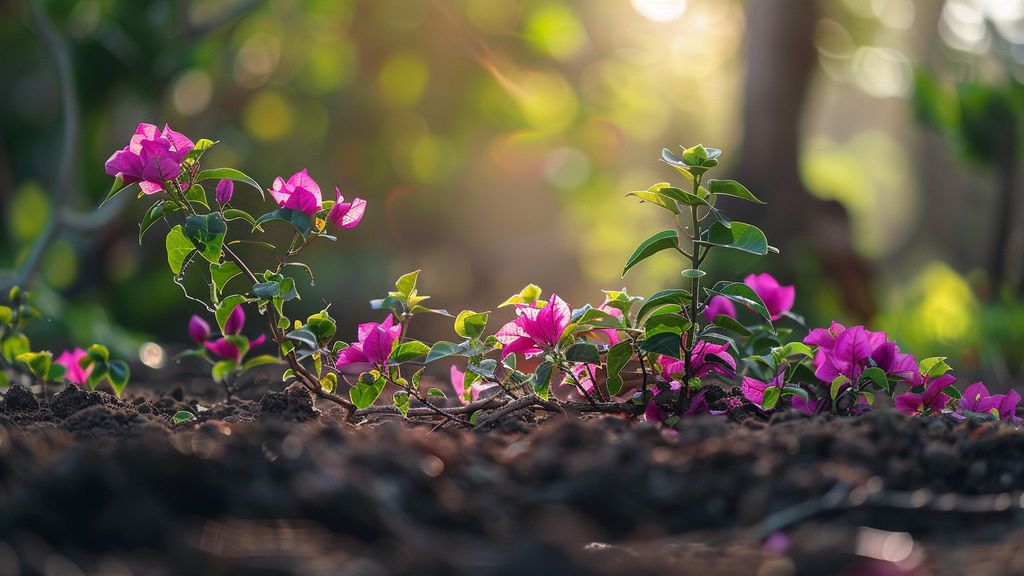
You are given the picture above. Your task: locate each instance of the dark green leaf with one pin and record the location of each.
(676, 296)
(742, 294)
(221, 273)
(118, 374)
(664, 240)
(738, 236)
(115, 188)
(302, 223)
(469, 324)
(409, 351)
(305, 336)
(665, 343)
(542, 379)
(771, 397)
(156, 212)
(732, 188)
(583, 352)
(236, 214)
(196, 194)
(229, 174)
(182, 416)
(267, 290)
(618, 356)
(207, 234)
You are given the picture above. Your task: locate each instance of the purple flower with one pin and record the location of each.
(753, 389)
(719, 306)
(373, 348)
(977, 399)
(225, 190)
(150, 158)
(535, 329)
(777, 299)
(702, 362)
(654, 412)
(300, 193)
(75, 374)
(346, 214)
(933, 399)
(849, 351)
(235, 321)
(198, 329)
(224, 348)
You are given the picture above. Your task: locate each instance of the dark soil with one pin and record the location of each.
(91, 484)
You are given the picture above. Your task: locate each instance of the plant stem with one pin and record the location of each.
(304, 376)
(691, 336)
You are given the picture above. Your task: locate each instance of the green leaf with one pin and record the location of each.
(6, 314)
(118, 374)
(583, 352)
(742, 294)
(665, 343)
(38, 363)
(731, 324)
(934, 367)
(738, 236)
(400, 399)
(796, 391)
(266, 290)
(664, 240)
(692, 273)
(366, 391)
(528, 295)
(542, 379)
(178, 249)
(305, 336)
(236, 214)
(410, 350)
(618, 356)
(229, 174)
(196, 194)
(952, 392)
(651, 195)
(329, 383)
(682, 196)
(732, 188)
(469, 324)
(658, 323)
(444, 349)
(182, 416)
(13, 346)
(207, 234)
(201, 145)
(437, 392)
(302, 223)
(878, 377)
(115, 189)
(867, 396)
(222, 273)
(407, 283)
(677, 296)
(221, 370)
(261, 360)
(771, 397)
(837, 385)
(594, 318)
(156, 212)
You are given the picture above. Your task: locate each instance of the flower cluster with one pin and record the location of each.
(152, 158)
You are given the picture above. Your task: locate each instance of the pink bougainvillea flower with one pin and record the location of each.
(535, 329)
(459, 385)
(225, 190)
(223, 348)
(708, 358)
(977, 399)
(300, 193)
(235, 321)
(849, 351)
(150, 158)
(777, 299)
(753, 389)
(198, 329)
(373, 348)
(69, 360)
(933, 399)
(582, 374)
(719, 305)
(346, 214)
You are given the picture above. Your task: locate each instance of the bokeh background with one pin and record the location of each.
(495, 140)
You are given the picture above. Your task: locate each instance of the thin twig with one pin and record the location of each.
(515, 405)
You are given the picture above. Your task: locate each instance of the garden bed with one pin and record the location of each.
(274, 486)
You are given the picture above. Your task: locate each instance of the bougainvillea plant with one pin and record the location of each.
(92, 367)
(697, 348)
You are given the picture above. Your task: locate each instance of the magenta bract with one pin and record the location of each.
(225, 190)
(235, 321)
(933, 399)
(151, 158)
(535, 329)
(300, 193)
(777, 299)
(69, 360)
(374, 347)
(198, 329)
(346, 214)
